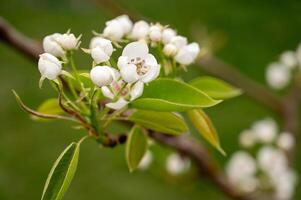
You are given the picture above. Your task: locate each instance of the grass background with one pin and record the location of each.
(248, 34)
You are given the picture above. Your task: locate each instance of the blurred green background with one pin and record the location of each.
(248, 34)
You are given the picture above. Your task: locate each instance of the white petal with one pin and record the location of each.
(99, 55)
(150, 60)
(113, 30)
(278, 76)
(167, 35)
(152, 74)
(135, 49)
(194, 49)
(129, 73)
(184, 57)
(140, 30)
(68, 41)
(120, 103)
(50, 45)
(103, 43)
(101, 75)
(107, 92)
(52, 72)
(136, 90)
(179, 41)
(125, 23)
(122, 62)
(170, 50)
(51, 58)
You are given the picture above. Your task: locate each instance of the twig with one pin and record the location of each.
(19, 41)
(182, 144)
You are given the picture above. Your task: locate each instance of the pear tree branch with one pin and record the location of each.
(182, 144)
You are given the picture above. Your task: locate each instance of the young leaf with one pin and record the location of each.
(215, 88)
(61, 173)
(164, 122)
(136, 147)
(172, 95)
(50, 106)
(205, 127)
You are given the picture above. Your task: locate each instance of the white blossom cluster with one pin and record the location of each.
(279, 74)
(124, 81)
(267, 170)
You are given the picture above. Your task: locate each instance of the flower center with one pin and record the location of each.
(140, 64)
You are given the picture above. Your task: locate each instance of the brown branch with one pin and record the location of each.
(20, 42)
(183, 144)
(203, 160)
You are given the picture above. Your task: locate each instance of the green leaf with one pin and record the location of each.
(50, 106)
(205, 127)
(61, 173)
(163, 122)
(136, 147)
(171, 95)
(215, 88)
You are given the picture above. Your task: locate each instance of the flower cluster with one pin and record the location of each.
(121, 80)
(279, 74)
(268, 170)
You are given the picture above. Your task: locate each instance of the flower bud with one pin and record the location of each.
(188, 54)
(155, 32)
(51, 45)
(179, 41)
(140, 30)
(125, 23)
(167, 35)
(104, 44)
(113, 30)
(49, 66)
(102, 75)
(68, 41)
(170, 50)
(99, 55)
(278, 76)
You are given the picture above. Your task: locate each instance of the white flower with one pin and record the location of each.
(271, 160)
(146, 160)
(241, 166)
(188, 54)
(170, 50)
(265, 130)
(155, 32)
(286, 141)
(137, 64)
(278, 76)
(285, 184)
(49, 66)
(113, 30)
(247, 138)
(68, 41)
(179, 41)
(125, 23)
(288, 58)
(128, 93)
(51, 45)
(167, 35)
(101, 49)
(102, 75)
(140, 30)
(176, 164)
